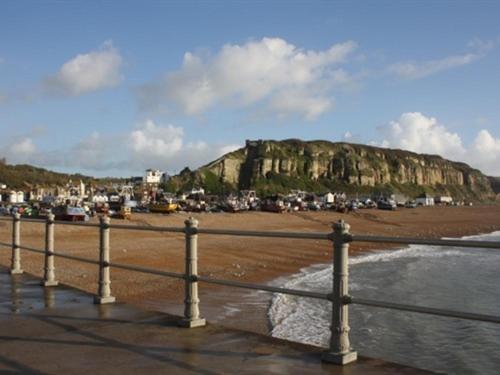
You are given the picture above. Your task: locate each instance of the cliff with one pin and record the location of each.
(277, 166)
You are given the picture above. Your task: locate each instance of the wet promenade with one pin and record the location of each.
(59, 330)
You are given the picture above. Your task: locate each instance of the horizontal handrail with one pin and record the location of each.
(148, 270)
(424, 310)
(60, 222)
(148, 228)
(291, 235)
(228, 232)
(32, 249)
(5, 244)
(419, 241)
(267, 288)
(249, 233)
(61, 255)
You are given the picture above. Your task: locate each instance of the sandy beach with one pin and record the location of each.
(236, 258)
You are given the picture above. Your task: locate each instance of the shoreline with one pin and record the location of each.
(255, 260)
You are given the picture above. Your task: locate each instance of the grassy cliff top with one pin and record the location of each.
(25, 176)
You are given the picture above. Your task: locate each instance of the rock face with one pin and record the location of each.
(325, 163)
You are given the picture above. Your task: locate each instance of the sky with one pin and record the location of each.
(110, 88)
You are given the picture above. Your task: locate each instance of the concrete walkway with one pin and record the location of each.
(60, 331)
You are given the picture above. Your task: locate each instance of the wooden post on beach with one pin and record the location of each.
(49, 278)
(340, 351)
(191, 310)
(15, 268)
(104, 290)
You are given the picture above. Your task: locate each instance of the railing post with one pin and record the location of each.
(340, 351)
(191, 310)
(15, 267)
(104, 290)
(49, 278)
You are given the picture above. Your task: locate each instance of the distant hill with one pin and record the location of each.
(24, 176)
(270, 166)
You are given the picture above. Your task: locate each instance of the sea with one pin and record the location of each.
(461, 279)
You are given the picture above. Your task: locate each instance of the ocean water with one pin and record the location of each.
(453, 278)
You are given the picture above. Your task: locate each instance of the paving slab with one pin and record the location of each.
(59, 330)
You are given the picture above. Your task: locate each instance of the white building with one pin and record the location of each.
(443, 199)
(425, 200)
(200, 191)
(329, 198)
(16, 197)
(153, 176)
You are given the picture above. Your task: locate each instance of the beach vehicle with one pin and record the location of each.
(386, 204)
(313, 206)
(368, 203)
(250, 198)
(164, 207)
(411, 204)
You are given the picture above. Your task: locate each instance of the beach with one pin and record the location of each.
(245, 259)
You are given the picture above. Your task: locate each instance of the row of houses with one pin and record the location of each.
(75, 192)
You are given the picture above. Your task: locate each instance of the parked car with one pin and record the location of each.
(411, 204)
(386, 204)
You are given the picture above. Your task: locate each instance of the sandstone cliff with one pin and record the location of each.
(276, 166)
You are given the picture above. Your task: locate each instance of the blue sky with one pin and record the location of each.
(114, 87)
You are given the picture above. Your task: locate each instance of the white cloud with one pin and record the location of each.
(151, 140)
(485, 152)
(23, 148)
(418, 133)
(285, 102)
(415, 132)
(18, 150)
(149, 145)
(269, 71)
(163, 146)
(87, 72)
(415, 70)
(348, 135)
(228, 148)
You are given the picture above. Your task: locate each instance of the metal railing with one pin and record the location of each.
(340, 350)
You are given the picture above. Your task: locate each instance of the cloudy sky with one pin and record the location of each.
(112, 88)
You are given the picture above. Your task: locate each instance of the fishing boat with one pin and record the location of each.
(165, 207)
(273, 204)
(69, 213)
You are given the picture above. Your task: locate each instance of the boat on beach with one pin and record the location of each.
(70, 213)
(165, 207)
